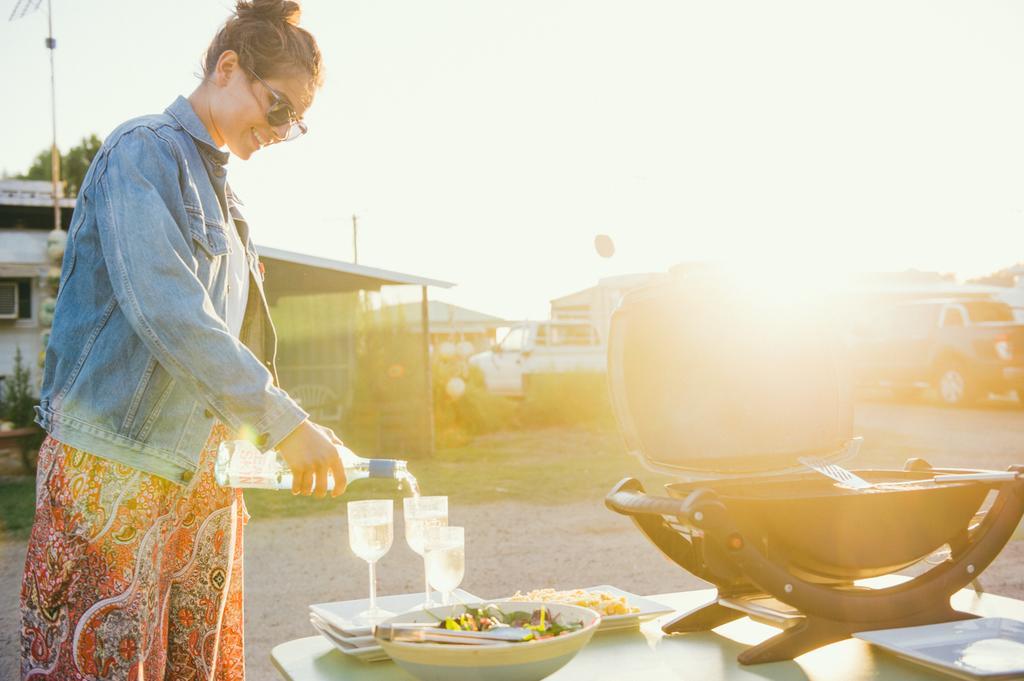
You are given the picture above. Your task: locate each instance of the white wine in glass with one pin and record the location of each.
(445, 556)
(421, 513)
(371, 532)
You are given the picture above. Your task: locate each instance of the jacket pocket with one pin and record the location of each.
(208, 236)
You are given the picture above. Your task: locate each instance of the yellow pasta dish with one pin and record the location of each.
(602, 602)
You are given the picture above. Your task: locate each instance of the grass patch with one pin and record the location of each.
(17, 506)
(543, 467)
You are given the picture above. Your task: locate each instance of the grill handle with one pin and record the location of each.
(628, 498)
(647, 513)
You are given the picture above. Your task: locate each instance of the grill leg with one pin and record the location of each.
(814, 632)
(704, 618)
(797, 640)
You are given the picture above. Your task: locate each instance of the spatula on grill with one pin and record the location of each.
(845, 478)
(850, 480)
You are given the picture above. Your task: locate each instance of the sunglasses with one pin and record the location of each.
(281, 113)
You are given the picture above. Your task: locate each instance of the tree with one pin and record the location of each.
(72, 164)
(18, 402)
(18, 406)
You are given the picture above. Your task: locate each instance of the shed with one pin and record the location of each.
(317, 306)
(454, 324)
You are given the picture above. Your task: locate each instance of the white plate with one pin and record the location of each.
(648, 609)
(351, 641)
(372, 653)
(986, 648)
(354, 637)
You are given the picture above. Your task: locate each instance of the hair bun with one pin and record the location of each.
(285, 11)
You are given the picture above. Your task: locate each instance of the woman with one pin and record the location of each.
(161, 348)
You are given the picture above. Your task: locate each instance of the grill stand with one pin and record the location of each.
(705, 541)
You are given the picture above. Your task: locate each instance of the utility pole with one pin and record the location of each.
(355, 239)
(51, 45)
(21, 8)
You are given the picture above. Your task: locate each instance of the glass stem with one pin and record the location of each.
(426, 585)
(446, 597)
(373, 586)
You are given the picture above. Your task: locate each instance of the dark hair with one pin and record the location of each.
(266, 36)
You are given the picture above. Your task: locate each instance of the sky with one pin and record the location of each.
(487, 143)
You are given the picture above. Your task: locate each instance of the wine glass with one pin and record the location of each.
(421, 513)
(444, 550)
(371, 525)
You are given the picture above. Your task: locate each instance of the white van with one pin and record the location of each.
(540, 348)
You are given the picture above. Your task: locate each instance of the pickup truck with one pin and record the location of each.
(532, 348)
(964, 348)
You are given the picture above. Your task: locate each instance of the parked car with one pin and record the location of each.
(964, 348)
(532, 348)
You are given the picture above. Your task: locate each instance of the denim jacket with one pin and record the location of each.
(140, 363)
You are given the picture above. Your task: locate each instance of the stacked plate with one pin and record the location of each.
(990, 648)
(339, 622)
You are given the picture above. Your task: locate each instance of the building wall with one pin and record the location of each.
(23, 255)
(27, 339)
(316, 347)
(596, 304)
(1015, 298)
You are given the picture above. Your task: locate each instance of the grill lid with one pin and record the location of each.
(710, 380)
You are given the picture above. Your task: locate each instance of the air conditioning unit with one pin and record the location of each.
(8, 300)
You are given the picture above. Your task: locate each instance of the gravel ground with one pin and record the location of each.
(293, 562)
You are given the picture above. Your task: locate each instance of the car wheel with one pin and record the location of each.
(954, 386)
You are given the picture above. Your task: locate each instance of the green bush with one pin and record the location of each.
(18, 401)
(563, 399)
(458, 417)
(388, 415)
(18, 406)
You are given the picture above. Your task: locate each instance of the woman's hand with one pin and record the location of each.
(310, 453)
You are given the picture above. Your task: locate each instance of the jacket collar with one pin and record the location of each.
(181, 110)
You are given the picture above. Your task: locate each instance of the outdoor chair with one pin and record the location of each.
(321, 402)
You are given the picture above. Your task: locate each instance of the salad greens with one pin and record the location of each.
(541, 622)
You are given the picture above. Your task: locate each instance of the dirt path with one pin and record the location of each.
(294, 562)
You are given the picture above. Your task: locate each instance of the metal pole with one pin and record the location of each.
(51, 44)
(355, 241)
(427, 378)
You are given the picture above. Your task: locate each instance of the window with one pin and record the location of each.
(514, 339)
(914, 321)
(19, 294)
(952, 317)
(25, 299)
(576, 335)
(988, 311)
(540, 339)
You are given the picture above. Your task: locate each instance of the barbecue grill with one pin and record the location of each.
(727, 393)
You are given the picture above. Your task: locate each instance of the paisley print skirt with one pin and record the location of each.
(129, 576)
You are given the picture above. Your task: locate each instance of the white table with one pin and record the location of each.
(647, 654)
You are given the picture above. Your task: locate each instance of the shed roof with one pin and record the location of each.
(290, 273)
(444, 314)
(28, 204)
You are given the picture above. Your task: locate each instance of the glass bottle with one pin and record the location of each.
(240, 463)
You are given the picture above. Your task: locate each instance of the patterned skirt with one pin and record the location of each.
(129, 576)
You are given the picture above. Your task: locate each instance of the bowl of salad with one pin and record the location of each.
(498, 641)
